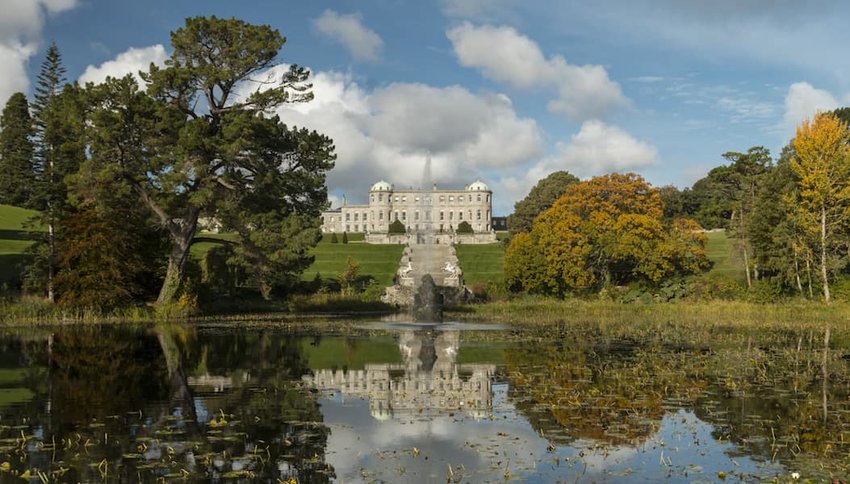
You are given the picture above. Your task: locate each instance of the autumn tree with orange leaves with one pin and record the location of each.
(822, 165)
(605, 231)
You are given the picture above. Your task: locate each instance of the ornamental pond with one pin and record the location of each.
(353, 401)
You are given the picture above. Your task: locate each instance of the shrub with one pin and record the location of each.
(344, 238)
(397, 227)
(333, 238)
(464, 228)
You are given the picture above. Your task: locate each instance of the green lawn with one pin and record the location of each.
(726, 264)
(14, 240)
(206, 241)
(378, 261)
(481, 263)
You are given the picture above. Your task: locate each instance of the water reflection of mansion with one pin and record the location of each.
(429, 381)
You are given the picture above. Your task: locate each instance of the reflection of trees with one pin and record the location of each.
(788, 402)
(121, 407)
(612, 394)
(777, 395)
(98, 371)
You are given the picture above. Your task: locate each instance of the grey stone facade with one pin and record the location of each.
(435, 211)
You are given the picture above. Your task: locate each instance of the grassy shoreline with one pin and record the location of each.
(521, 312)
(543, 311)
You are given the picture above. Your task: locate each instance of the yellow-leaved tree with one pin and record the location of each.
(607, 230)
(822, 163)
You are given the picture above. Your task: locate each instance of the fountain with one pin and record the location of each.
(427, 305)
(429, 274)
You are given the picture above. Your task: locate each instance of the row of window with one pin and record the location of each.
(415, 227)
(451, 215)
(403, 198)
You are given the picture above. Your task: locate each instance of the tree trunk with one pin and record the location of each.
(824, 275)
(181, 239)
(51, 251)
(797, 274)
(747, 267)
(809, 273)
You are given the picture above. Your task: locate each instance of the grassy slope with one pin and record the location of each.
(14, 240)
(719, 249)
(378, 261)
(481, 263)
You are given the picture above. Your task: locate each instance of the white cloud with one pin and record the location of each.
(597, 148)
(601, 148)
(14, 79)
(348, 29)
(20, 34)
(387, 132)
(803, 100)
(504, 55)
(130, 62)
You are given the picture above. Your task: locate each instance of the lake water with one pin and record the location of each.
(395, 402)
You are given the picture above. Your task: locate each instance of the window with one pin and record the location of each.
(427, 215)
(356, 217)
(364, 216)
(479, 197)
(380, 197)
(470, 197)
(488, 215)
(357, 228)
(396, 198)
(460, 215)
(441, 216)
(347, 217)
(332, 219)
(396, 214)
(488, 198)
(347, 228)
(470, 214)
(417, 199)
(451, 198)
(404, 214)
(372, 197)
(479, 215)
(380, 215)
(403, 199)
(416, 215)
(451, 215)
(442, 198)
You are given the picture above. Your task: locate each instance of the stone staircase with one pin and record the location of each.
(439, 260)
(417, 260)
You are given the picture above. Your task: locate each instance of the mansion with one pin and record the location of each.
(421, 211)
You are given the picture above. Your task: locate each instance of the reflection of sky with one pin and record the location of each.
(361, 447)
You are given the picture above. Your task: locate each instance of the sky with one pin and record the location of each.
(505, 91)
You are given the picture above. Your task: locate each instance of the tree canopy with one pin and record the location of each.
(200, 141)
(17, 174)
(539, 199)
(604, 231)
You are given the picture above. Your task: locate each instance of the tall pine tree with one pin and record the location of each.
(58, 113)
(17, 177)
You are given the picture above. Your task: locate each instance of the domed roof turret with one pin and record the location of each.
(381, 186)
(478, 186)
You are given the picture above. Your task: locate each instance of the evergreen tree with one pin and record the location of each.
(48, 117)
(538, 200)
(344, 238)
(191, 147)
(17, 177)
